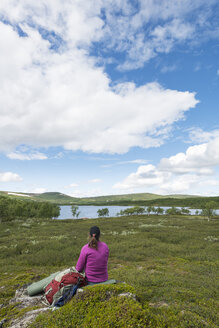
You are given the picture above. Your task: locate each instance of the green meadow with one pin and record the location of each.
(169, 262)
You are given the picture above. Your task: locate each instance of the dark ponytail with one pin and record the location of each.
(94, 237)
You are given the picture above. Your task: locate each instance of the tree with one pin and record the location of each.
(159, 210)
(149, 209)
(185, 211)
(75, 211)
(11, 209)
(3, 207)
(173, 211)
(103, 212)
(55, 211)
(209, 209)
(153, 209)
(120, 213)
(139, 210)
(136, 210)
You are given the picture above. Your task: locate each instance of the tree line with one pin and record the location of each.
(11, 209)
(208, 210)
(193, 202)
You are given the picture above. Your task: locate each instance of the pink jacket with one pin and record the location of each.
(94, 262)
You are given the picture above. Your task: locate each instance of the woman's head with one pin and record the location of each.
(95, 232)
(94, 237)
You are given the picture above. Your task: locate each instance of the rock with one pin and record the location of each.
(22, 297)
(27, 318)
(2, 323)
(22, 301)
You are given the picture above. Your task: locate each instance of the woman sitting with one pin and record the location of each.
(93, 258)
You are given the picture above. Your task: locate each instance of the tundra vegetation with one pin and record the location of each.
(169, 261)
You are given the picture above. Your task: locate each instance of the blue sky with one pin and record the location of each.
(109, 97)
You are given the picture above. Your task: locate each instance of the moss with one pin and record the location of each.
(103, 292)
(102, 306)
(99, 306)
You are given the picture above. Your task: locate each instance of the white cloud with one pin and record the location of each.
(134, 161)
(95, 180)
(10, 177)
(197, 135)
(218, 72)
(39, 190)
(52, 93)
(158, 27)
(87, 193)
(73, 185)
(59, 155)
(170, 68)
(170, 22)
(179, 184)
(190, 184)
(199, 158)
(75, 23)
(145, 176)
(164, 37)
(184, 172)
(79, 109)
(176, 29)
(27, 157)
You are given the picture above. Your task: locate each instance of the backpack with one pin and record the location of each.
(63, 287)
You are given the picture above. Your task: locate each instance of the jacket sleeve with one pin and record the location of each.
(80, 266)
(107, 251)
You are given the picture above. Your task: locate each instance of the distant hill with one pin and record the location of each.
(55, 197)
(127, 199)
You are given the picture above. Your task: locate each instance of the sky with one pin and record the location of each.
(109, 97)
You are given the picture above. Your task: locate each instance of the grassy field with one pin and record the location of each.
(171, 262)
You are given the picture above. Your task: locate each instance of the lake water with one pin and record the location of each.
(90, 212)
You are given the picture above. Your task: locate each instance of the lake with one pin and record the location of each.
(90, 212)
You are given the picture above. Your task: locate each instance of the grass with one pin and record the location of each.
(171, 262)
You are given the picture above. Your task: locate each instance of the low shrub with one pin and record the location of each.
(104, 306)
(99, 306)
